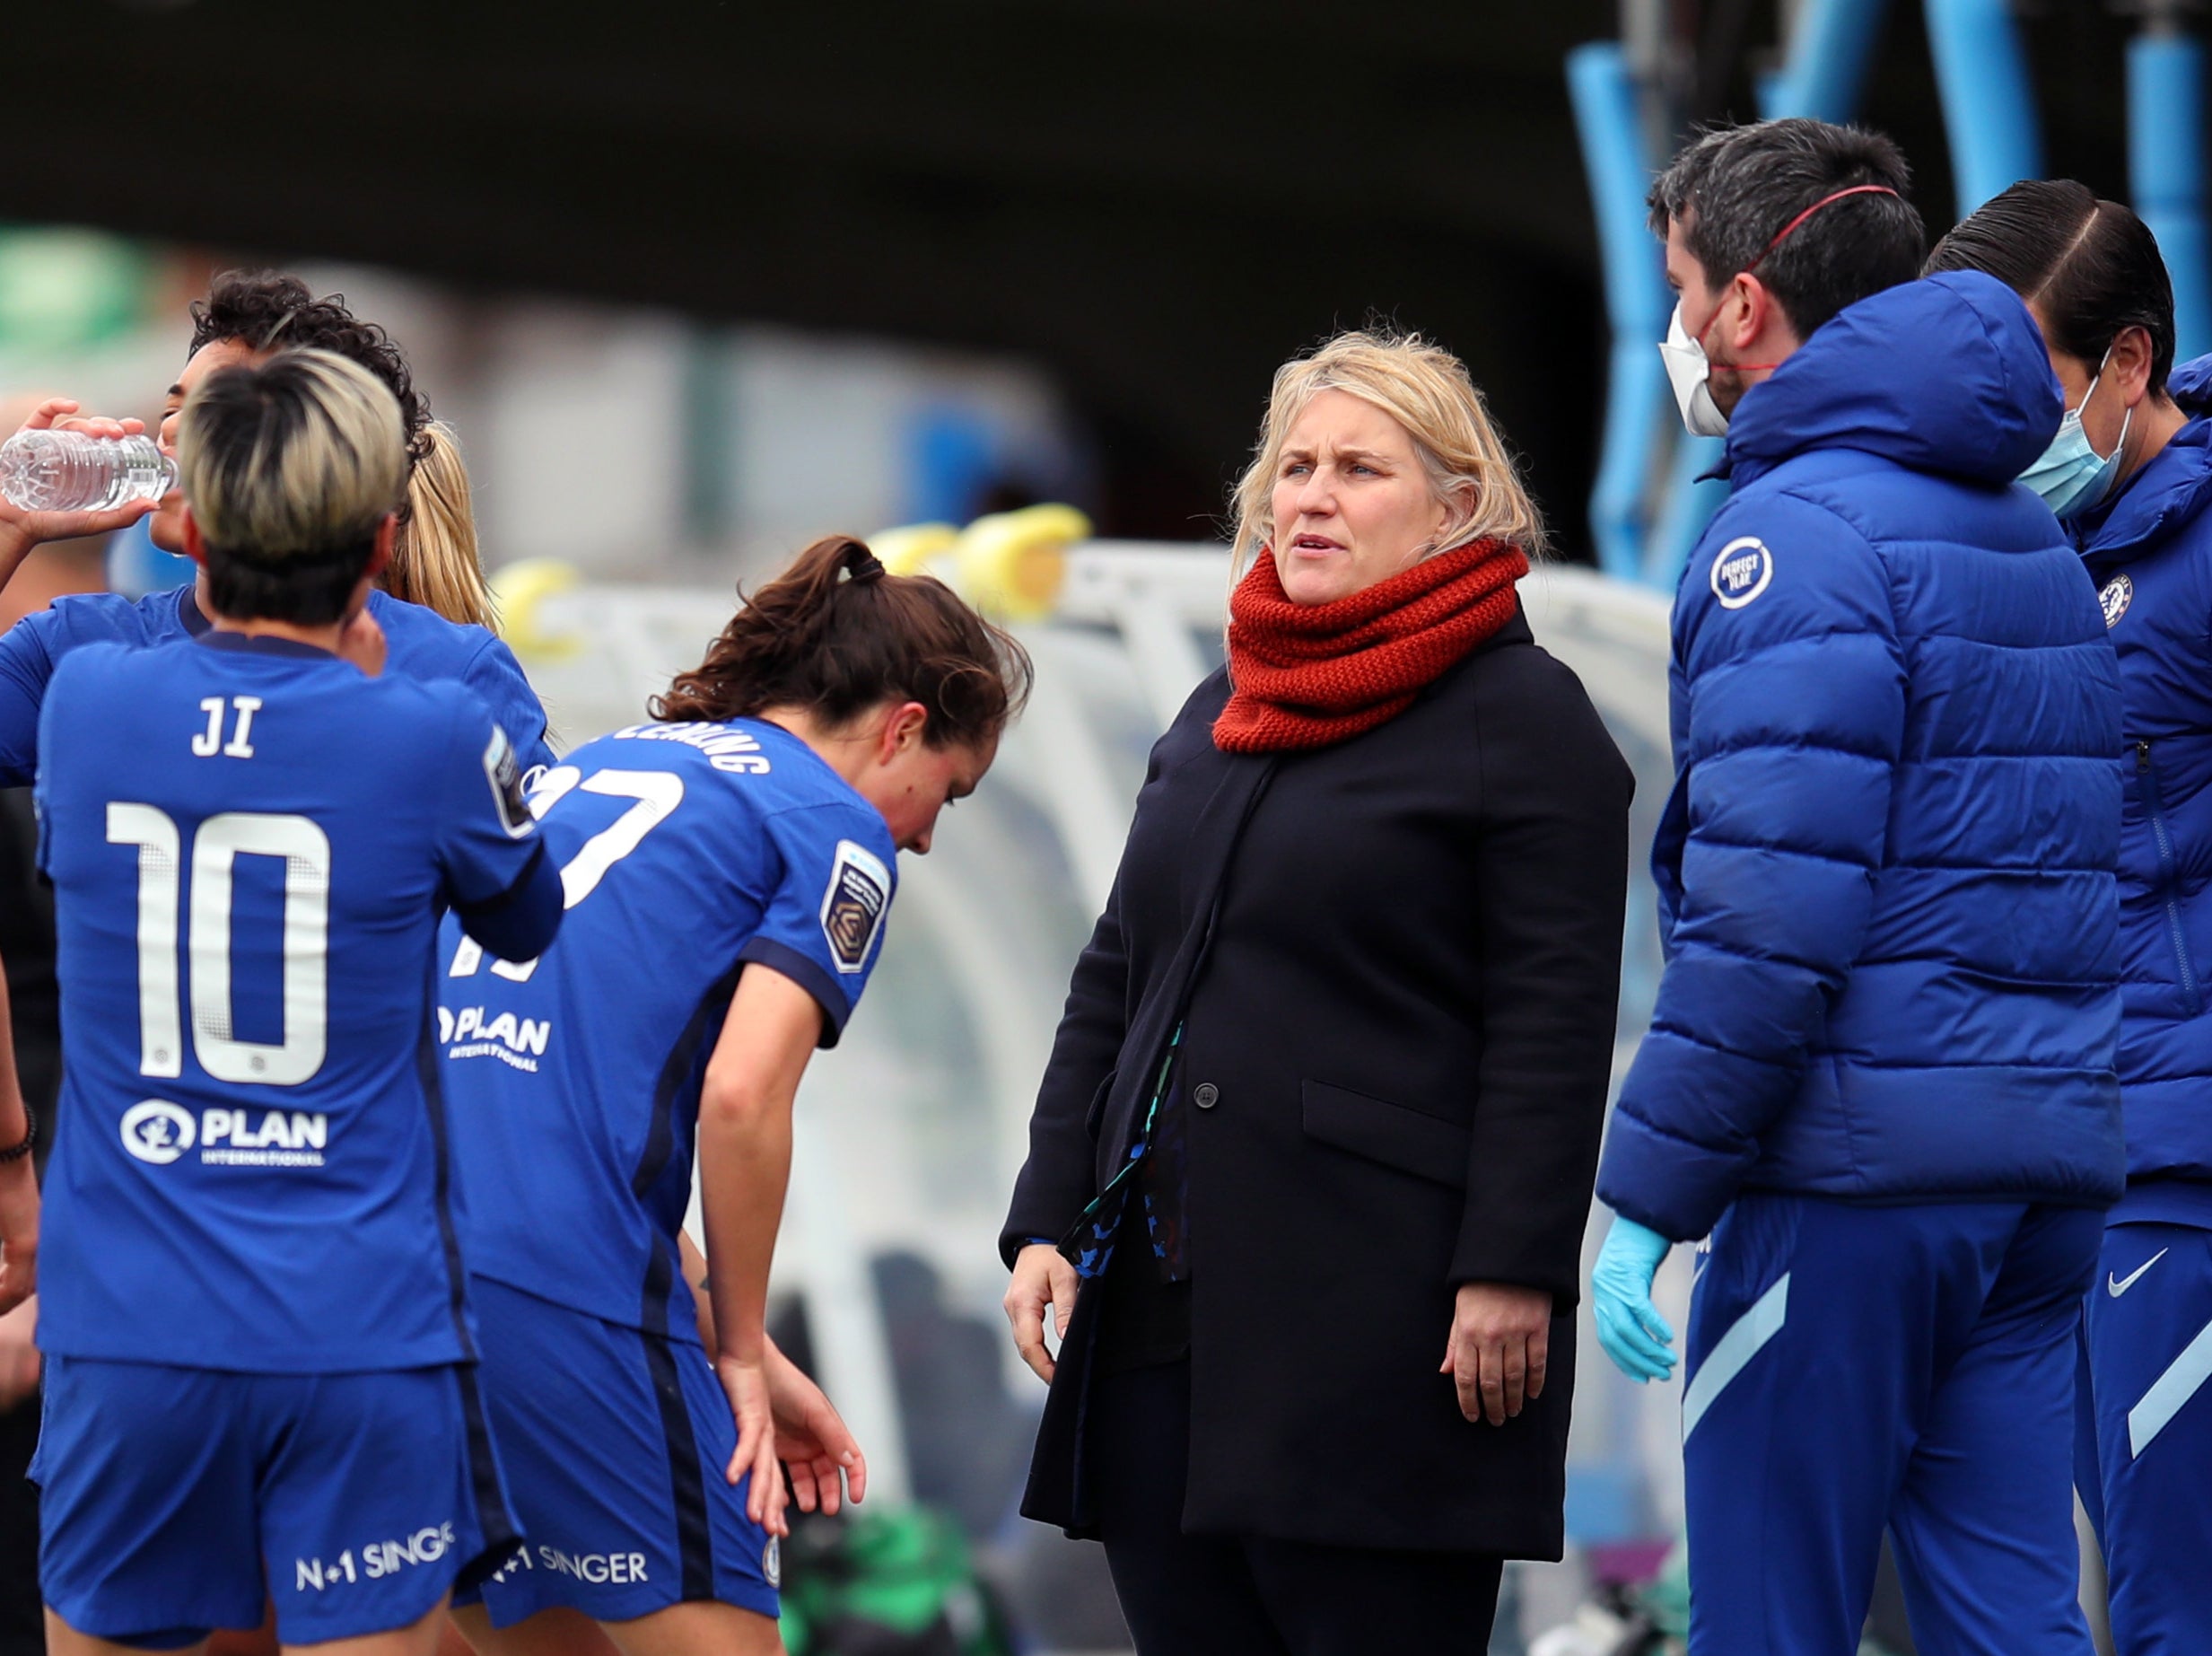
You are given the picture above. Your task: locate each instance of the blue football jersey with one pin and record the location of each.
(420, 643)
(685, 852)
(249, 843)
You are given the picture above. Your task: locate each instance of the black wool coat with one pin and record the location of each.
(1398, 1036)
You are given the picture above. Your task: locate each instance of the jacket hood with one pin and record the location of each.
(2171, 492)
(1946, 375)
(2190, 384)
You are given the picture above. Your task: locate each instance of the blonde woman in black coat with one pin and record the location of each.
(1318, 1136)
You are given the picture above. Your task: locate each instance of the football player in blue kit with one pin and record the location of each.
(245, 317)
(728, 870)
(247, 1245)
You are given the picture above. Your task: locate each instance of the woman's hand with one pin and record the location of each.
(746, 1384)
(813, 1442)
(21, 530)
(18, 1233)
(1042, 1277)
(1500, 1338)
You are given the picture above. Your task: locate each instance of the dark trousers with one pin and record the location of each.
(1198, 1595)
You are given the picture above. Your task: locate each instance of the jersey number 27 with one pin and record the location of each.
(657, 793)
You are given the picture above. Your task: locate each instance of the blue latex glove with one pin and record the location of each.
(1629, 1326)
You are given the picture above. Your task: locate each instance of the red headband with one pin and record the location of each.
(1856, 189)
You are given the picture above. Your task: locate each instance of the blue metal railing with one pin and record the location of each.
(1604, 95)
(1988, 104)
(2166, 169)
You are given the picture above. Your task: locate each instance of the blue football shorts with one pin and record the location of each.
(614, 1443)
(163, 1491)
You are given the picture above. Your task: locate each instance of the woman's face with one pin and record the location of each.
(166, 526)
(910, 782)
(1352, 503)
(2105, 416)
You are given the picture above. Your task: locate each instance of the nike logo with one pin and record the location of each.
(2116, 1287)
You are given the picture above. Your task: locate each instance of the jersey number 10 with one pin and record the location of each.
(221, 841)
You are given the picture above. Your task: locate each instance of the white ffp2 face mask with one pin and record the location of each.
(1689, 372)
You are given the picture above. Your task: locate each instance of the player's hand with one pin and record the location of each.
(813, 1442)
(746, 1384)
(19, 1354)
(1630, 1327)
(1496, 1351)
(362, 642)
(18, 1233)
(1042, 1277)
(21, 530)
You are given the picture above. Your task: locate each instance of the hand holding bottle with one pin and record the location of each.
(50, 495)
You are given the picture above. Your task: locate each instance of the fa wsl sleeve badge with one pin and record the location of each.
(852, 908)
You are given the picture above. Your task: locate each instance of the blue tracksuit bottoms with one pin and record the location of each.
(2148, 1476)
(1854, 1366)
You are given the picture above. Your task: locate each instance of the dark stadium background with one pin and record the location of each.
(1154, 199)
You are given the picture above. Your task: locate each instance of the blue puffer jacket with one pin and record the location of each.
(1886, 869)
(2150, 553)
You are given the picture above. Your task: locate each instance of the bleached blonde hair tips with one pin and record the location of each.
(324, 460)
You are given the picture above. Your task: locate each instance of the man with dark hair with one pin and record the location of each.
(1733, 200)
(1879, 1076)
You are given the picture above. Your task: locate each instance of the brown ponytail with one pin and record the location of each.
(837, 635)
(435, 561)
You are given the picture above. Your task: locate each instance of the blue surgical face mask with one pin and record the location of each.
(2072, 476)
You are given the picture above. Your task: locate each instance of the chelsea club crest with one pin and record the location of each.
(2118, 594)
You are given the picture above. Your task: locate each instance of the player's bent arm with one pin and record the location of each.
(26, 667)
(744, 1146)
(519, 922)
(18, 1184)
(744, 1158)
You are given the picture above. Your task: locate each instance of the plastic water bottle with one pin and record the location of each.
(71, 471)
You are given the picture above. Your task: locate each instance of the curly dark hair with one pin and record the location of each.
(834, 633)
(269, 311)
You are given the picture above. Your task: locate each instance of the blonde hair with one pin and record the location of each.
(301, 457)
(1428, 391)
(435, 561)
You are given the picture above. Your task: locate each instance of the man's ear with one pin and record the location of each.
(903, 728)
(1763, 317)
(1754, 309)
(387, 537)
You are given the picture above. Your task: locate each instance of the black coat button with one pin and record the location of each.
(1206, 1095)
